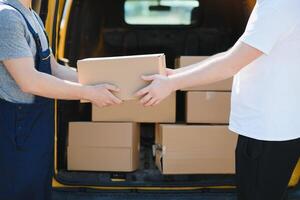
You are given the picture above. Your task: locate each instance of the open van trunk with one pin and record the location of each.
(96, 29)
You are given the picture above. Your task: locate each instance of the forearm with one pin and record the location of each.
(49, 86)
(34, 82)
(65, 73)
(182, 69)
(213, 70)
(216, 69)
(221, 67)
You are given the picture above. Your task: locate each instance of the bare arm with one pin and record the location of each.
(63, 72)
(182, 69)
(34, 82)
(221, 67)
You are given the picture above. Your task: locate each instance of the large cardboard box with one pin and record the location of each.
(124, 72)
(195, 149)
(208, 107)
(103, 146)
(165, 112)
(225, 85)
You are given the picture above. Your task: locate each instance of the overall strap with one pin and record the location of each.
(42, 25)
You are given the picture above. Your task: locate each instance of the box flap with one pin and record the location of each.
(159, 160)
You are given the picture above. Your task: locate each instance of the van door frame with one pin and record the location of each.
(57, 10)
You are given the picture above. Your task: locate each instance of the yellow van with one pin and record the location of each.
(93, 28)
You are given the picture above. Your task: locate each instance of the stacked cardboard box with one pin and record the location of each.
(106, 144)
(194, 149)
(132, 110)
(206, 103)
(103, 146)
(207, 107)
(202, 146)
(110, 142)
(125, 72)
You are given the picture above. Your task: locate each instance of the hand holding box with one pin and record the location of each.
(124, 72)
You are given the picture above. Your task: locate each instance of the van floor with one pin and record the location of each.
(294, 194)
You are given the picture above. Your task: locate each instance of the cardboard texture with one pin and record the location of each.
(225, 85)
(195, 149)
(165, 112)
(125, 72)
(208, 107)
(103, 146)
(184, 61)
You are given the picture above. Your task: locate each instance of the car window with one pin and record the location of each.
(160, 12)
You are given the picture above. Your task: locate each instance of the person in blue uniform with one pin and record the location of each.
(30, 79)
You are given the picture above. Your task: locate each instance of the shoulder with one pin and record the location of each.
(280, 5)
(283, 9)
(289, 10)
(38, 18)
(288, 5)
(10, 18)
(37, 15)
(10, 15)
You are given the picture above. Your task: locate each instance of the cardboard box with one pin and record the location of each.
(124, 72)
(165, 112)
(103, 146)
(184, 61)
(208, 107)
(225, 85)
(195, 149)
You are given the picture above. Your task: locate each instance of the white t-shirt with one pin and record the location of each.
(265, 101)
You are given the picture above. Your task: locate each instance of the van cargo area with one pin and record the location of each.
(147, 174)
(98, 29)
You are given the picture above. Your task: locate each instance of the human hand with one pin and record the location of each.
(101, 95)
(160, 88)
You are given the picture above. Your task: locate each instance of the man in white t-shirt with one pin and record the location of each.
(265, 110)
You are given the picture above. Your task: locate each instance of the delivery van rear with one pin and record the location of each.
(190, 148)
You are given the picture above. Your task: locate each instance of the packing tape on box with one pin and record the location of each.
(159, 148)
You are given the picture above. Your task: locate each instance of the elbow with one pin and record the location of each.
(235, 70)
(237, 67)
(230, 70)
(31, 84)
(28, 88)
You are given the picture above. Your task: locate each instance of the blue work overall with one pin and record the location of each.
(26, 141)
